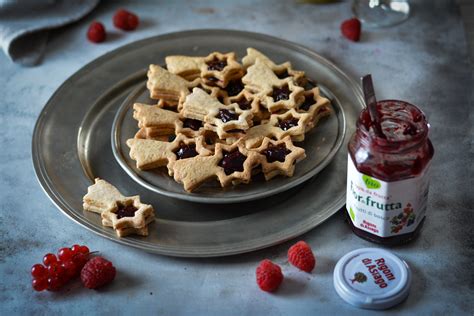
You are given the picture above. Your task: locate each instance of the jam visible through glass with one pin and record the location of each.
(226, 115)
(232, 162)
(282, 93)
(216, 64)
(125, 210)
(276, 152)
(403, 152)
(186, 151)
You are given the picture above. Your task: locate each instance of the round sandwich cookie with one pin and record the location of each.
(372, 278)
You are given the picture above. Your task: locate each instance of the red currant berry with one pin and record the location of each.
(70, 269)
(49, 258)
(64, 254)
(80, 260)
(75, 249)
(84, 250)
(39, 271)
(54, 283)
(55, 270)
(39, 284)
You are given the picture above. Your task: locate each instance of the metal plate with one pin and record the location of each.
(321, 144)
(71, 146)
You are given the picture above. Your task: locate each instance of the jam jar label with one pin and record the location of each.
(384, 208)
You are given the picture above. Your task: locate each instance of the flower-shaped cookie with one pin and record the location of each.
(315, 105)
(128, 213)
(236, 163)
(247, 101)
(279, 157)
(290, 123)
(219, 69)
(275, 94)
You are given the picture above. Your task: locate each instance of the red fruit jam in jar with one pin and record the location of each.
(388, 175)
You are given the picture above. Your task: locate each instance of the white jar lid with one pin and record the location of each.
(372, 278)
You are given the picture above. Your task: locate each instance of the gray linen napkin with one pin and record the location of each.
(25, 24)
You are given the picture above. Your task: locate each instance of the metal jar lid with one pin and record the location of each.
(372, 278)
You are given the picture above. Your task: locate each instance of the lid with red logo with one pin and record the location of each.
(372, 278)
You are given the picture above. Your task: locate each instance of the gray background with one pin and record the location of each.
(423, 61)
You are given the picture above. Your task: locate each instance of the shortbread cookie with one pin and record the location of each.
(185, 66)
(282, 71)
(101, 196)
(201, 106)
(167, 86)
(122, 232)
(290, 123)
(279, 157)
(248, 102)
(163, 121)
(315, 105)
(124, 214)
(151, 154)
(275, 94)
(216, 69)
(219, 69)
(230, 164)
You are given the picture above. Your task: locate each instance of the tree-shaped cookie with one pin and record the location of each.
(165, 85)
(282, 71)
(201, 106)
(151, 154)
(127, 215)
(275, 94)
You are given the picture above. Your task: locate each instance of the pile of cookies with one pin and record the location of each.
(216, 118)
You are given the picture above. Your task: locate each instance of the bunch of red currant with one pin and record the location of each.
(58, 270)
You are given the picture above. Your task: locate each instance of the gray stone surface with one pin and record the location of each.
(423, 61)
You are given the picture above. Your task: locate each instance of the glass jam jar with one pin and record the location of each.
(388, 174)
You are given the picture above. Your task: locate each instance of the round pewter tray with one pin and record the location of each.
(320, 144)
(72, 145)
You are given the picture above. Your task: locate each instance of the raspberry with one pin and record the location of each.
(269, 276)
(125, 20)
(97, 272)
(96, 32)
(301, 256)
(351, 29)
